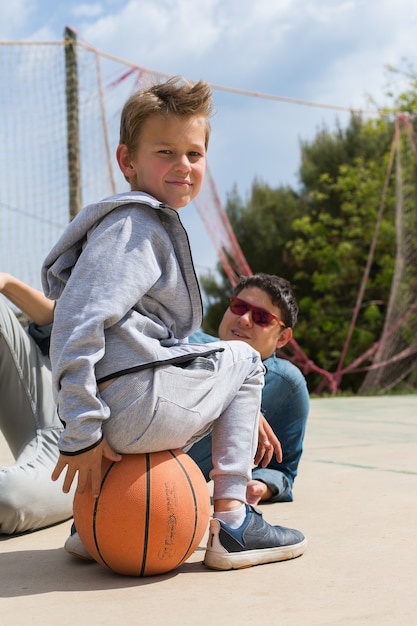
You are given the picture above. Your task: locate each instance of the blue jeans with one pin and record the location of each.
(285, 404)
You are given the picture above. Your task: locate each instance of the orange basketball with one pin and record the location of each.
(151, 514)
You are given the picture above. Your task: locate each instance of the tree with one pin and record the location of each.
(319, 239)
(262, 228)
(331, 248)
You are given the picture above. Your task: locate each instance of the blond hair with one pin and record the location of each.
(176, 96)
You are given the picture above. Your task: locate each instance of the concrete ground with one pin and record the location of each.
(355, 499)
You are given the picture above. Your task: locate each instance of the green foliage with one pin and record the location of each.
(217, 297)
(331, 246)
(264, 225)
(319, 238)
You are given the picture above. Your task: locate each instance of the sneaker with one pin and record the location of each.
(254, 543)
(75, 547)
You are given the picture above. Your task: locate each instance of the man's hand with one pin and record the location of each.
(267, 444)
(88, 466)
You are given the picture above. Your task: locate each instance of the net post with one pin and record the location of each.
(73, 147)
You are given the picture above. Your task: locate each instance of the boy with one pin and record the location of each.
(125, 378)
(29, 500)
(285, 399)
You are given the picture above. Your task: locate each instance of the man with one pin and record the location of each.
(262, 312)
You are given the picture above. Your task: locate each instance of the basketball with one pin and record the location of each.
(150, 516)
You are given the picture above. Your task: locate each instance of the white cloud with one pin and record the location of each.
(14, 17)
(324, 51)
(88, 10)
(161, 33)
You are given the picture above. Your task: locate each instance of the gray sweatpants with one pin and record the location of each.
(172, 407)
(28, 421)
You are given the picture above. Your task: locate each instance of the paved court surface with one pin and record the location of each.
(355, 499)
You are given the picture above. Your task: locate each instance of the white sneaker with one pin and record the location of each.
(75, 547)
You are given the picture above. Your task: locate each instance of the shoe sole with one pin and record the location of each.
(77, 555)
(248, 558)
(77, 549)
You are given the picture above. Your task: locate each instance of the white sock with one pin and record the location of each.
(234, 519)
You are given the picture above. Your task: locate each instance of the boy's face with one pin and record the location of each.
(169, 162)
(265, 339)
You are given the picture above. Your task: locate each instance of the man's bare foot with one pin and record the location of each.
(257, 491)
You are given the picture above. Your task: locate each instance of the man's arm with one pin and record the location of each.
(30, 301)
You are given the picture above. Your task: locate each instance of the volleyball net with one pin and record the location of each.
(59, 129)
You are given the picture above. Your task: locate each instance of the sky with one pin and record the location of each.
(320, 52)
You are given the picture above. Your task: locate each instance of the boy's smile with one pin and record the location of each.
(169, 162)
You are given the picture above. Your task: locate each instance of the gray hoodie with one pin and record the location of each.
(127, 298)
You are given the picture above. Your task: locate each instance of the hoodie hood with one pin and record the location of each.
(60, 261)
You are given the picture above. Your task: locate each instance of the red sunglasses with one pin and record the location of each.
(260, 317)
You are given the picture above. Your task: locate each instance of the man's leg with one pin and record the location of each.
(29, 500)
(200, 452)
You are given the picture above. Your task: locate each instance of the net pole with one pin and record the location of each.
(73, 147)
(371, 254)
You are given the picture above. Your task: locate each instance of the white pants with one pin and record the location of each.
(28, 421)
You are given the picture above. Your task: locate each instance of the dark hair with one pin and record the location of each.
(278, 289)
(176, 96)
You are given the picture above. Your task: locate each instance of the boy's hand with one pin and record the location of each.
(268, 443)
(88, 466)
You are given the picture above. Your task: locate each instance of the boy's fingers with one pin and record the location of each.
(58, 469)
(56, 473)
(69, 477)
(96, 482)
